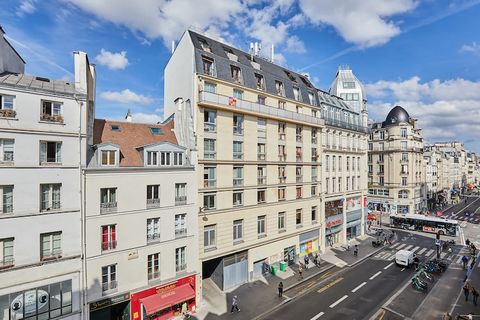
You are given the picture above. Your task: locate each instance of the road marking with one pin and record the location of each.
(394, 245)
(359, 286)
(415, 249)
(409, 246)
(401, 246)
(326, 274)
(385, 255)
(422, 251)
(318, 316)
(375, 275)
(442, 255)
(429, 253)
(402, 269)
(334, 282)
(390, 256)
(388, 266)
(338, 301)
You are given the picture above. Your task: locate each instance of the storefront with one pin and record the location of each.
(333, 230)
(116, 307)
(354, 217)
(164, 302)
(309, 242)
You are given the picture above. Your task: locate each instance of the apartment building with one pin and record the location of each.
(257, 130)
(396, 169)
(141, 243)
(43, 125)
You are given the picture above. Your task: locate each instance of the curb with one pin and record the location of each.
(322, 270)
(366, 257)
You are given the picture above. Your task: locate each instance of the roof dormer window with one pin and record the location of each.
(236, 74)
(260, 81)
(156, 131)
(204, 44)
(296, 94)
(108, 157)
(290, 76)
(280, 88)
(115, 128)
(208, 66)
(348, 85)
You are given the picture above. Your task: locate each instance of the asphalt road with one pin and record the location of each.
(470, 222)
(356, 293)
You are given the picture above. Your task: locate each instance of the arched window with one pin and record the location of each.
(403, 194)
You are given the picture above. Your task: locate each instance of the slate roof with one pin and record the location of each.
(37, 84)
(130, 137)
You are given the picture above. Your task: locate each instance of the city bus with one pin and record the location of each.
(419, 222)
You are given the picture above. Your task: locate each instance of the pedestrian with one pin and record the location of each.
(447, 316)
(280, 289)
(235, 304)
(464, 261)
(467, 242)
(306, 260)
(355, 251)
(316, 260)
(472, 264)
(300, 273)
(466, 290)
(475, 295)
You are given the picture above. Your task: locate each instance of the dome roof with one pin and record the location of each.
(397, 115)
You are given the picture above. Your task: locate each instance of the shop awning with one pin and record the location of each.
(371, 217)
(160, 301)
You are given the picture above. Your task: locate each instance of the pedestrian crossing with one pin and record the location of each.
(463, 218)
(421, 252)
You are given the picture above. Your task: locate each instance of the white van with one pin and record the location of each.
(404, 258)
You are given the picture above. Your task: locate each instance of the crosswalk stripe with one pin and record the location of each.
(429, 252)
(422, 251)
(459, 260)
(415, 249)
(390, 257)
(394, 245)
(442, 255)
(401, 246)
(384, 255)
(409, 246)
(470, 219)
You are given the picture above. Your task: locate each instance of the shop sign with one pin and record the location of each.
(109, 301)
(333, 223)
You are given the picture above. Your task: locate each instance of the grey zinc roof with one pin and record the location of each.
(33, 83)
(270, 71)
(327, 98)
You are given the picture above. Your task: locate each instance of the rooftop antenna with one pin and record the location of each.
(255, 49)
(272, 53)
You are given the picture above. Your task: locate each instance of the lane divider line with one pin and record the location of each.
(388, 266)
(375, 275)
(318, 316)
(359, 286)
(338, 301)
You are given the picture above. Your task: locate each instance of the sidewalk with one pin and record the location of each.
(261, 295)
(465, 307)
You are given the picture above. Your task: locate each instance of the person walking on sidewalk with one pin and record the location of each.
(306, 260)
(472, 264)
(235, 304)
(300, 272)
(466, 290)
(464, 261)
(316, 260)
(355, 251)
(474, 295)
(280, 289)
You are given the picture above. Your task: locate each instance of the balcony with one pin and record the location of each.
(345, 125)
(6, 263)
(153, 203)
(180, 200)
(237, 182)
(299, 178)
(51, 118)
(209, 127)
(181, 267)
(237, 155)
(314, 140)
(109, 286)
(237, 130)
(256, 107)
(8, 113)
(209, 155)
(261, 156)
(180, 233)
(261, 180)
(153, 237)
(282, 157)
(403, 172)
(282, 179)
(110, 245)
(108, 207)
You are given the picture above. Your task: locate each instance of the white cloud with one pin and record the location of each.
(113, 61)
(146, 117)
(26, 7)
(294, 44)
(364, 23)
(471, 48)
(126, 96)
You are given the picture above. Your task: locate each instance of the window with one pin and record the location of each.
(380, 157)
(339, 163)
(370, 168)
(50, 197)
(237, 198)
(156, 131)
(404, 156)
(314, 214)
(180, 193)
(404, 169)
(50, 245)
(237, 150)
(153, 266)
(282, 174)
(327, 163)
(115, 128)
(50, 152)
(236, 74)
(109, 237)
(109, 277)
(298, 133)
(298, 217)
(209, 149)
(261, 175)
(334, 163)
(153, 229)
(7, 150)
(165, 158)
(314, 136)
(281, 130)
(382, 168)
(208, 67)
(204, 44)
(281, 221)
(237, 230)
(298, 192)
(403, 132)
(327, 185)
(261, 155)
(382, 135)
(262, 226)
(298, 109)
(348, 85)
(279, 88)
(314, 173)
(298, 173)
(108, 157)
(209, 177)
(51, 111)
(181, 259)
(6, 199)
(334, 180)
(108, 200)
(296, 94)
(152, 158)
(380, 181)
(237, 124)
(237, 176)
(381, 146)
(313, 190)
(261, 128)
(404, 181)
(6, 253)
(370, 146)
(259, 81)
(311, 99)
(153, 196)
(281, 105)
(347, 184)
(403, 194)
(298, 153)
(210, 121)
(348, 163)
(403, 145)
(238, 94)
(209, 239)
(339, 184)
(180, 225)
(6, 103)
(209, 201)
(262, 100)
(281, 193)
(261, 196)
(282, 155)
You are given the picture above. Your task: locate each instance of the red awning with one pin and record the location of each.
(371, 217)
(160, 301)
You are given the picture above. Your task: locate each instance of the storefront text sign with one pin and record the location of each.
(108, 302)
(333, 223)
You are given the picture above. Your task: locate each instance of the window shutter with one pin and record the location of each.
(45, 245)
(43, 152)
(56, 197)
(113, 231)
(59, 153)
(45, 197)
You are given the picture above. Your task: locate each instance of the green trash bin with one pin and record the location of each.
(274, 270)
(283, 266)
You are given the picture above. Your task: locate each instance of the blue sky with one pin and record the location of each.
(421, 54)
